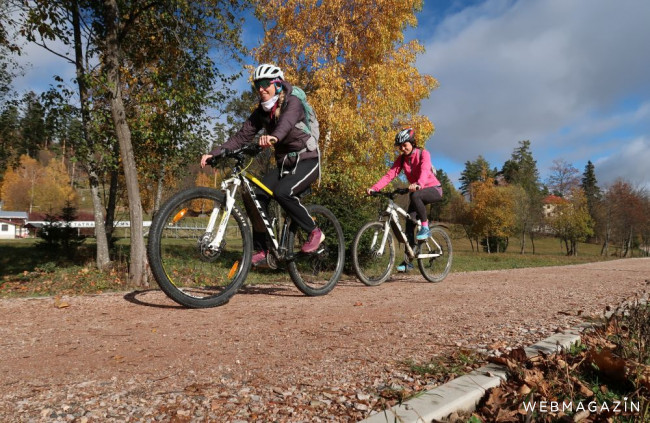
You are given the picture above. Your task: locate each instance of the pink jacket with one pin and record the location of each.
(417, 168)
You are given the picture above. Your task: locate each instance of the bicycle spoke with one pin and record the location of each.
(373, 258)
(435, 255)
(187, 267)
(317, 273)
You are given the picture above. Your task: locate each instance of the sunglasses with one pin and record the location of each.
(264, 83)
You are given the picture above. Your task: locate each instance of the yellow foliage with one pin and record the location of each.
(492, 211)
(33, 187)
(351, 59)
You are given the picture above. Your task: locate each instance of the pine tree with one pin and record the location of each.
(478, 170)
(436, 209)
(590, 187)
(521, 169)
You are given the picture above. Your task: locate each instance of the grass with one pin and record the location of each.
(548, 252)
(27, 269)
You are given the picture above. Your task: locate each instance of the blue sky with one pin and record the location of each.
(571, 76)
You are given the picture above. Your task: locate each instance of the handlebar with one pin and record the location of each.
(390, 194)
(248, 149)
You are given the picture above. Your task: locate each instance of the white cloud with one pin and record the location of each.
(555, 72)
(634, 157)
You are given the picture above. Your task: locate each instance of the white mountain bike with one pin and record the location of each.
(200, 243)
(373, 249)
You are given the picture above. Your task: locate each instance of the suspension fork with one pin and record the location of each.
(229, 187)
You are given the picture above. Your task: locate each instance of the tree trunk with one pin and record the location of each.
(102, 259)
(532, 241)
(137, 266)
(469, 237)
(159, 189)
(523, 241)
(628, 245)
(112, 204)
(605, 250)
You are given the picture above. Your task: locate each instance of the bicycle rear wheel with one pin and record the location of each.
(186, 268)
(435, 255)
(317, 273)
(373, 262)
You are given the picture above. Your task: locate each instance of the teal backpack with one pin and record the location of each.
(310, 124)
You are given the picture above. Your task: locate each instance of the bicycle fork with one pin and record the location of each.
(229, 187)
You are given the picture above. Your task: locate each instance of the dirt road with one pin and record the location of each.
(272, 353)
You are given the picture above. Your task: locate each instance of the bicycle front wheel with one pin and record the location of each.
(372, 258)
(435, 255)
(317, 273)
(187, 268)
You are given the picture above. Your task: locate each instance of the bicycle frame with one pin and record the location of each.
(229, 187)
(393, 211)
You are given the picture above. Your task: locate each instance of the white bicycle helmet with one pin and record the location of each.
(268, 71)
(405, 135)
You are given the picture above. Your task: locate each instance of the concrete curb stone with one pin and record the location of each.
(463, 393)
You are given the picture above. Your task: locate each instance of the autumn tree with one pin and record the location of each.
(167, 42)
(521, 171)
(359, 74)
(625, 215)
(42, 23)
(8, 47)
(571, 221)
(563, 178)
(33, 187)
(476, 171)
(491, 212)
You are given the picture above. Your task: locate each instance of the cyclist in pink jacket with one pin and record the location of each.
(423, 184)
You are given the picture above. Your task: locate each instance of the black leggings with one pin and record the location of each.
(286, 190)
(417, 208)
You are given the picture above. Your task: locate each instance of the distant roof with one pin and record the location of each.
(7, 222)
(554, 199)
(12, 215)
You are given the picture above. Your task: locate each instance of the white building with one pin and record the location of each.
(12, 224)
(9, 230)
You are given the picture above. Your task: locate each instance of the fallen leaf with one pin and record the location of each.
(523, 390)
(608, 363)
(358, 303)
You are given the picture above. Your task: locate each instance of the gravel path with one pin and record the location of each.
(272, 354)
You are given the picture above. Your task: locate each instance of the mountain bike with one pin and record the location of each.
(200, 243)
(373, 249)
